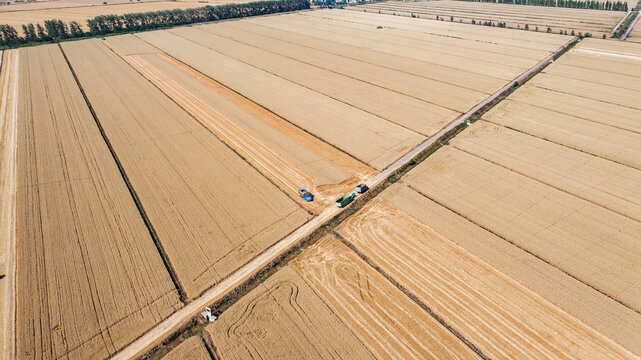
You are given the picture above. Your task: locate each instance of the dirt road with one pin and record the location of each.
(8, 136)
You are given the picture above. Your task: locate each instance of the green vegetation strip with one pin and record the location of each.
(622, 29)
(57, 30)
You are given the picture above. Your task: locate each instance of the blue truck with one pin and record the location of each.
(306, 195)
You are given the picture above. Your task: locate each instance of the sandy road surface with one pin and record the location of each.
(8, 136)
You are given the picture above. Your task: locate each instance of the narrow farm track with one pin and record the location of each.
(494, 312)
(8, 145)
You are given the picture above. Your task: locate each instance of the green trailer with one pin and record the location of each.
(345, 200)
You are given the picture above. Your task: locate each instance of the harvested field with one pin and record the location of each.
(596, 22)
(599, 96)
(495, 313)
(89, 278)
(369, 138)
(283, 319)
(405, 107)
(388, 322)
(212, 212)
(603, 182)
(602, 313)
(593, 244)
(82, 13)
(192, 349)
(298, 160)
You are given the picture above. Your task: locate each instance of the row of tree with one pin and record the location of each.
(54, 30)
(575, 4)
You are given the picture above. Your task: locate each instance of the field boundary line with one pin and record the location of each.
(543, 182)
(521, 248)
(396, 25)
(132, 192)
(372, 63)
(9, 138)
(574, 115)
(244, 275)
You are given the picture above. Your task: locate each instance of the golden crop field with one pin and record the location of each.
(283, 318)
(211, 210)
(159, 171)
(537, 18)
(482, 304)
(270, 60)
(329, 286)
(574, 234)
(53, 4)
(369, 138)
(192, 349)
(288, 156)
(89, 278)
(606, 183)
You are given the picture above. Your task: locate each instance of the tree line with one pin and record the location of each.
(575, 4)
(56, 30)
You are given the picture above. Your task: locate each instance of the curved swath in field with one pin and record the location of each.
(272, 165)
(498, 315)
(283, 318)
(388, 322)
